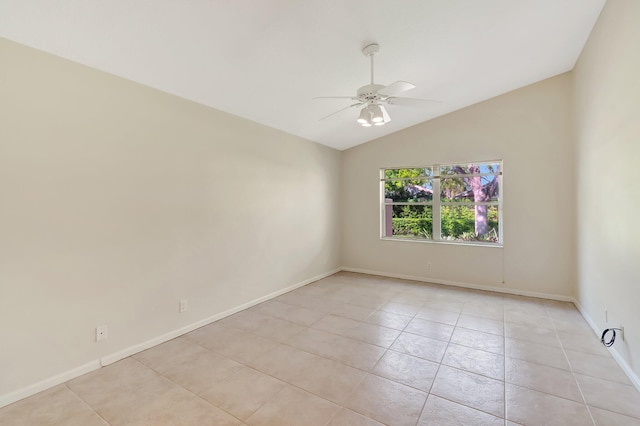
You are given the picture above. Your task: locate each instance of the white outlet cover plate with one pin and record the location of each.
(101, 333)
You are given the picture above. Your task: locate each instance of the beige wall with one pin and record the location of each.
(117, 201)
(607, 126)
(530, 129)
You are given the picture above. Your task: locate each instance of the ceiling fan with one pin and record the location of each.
(372, 97)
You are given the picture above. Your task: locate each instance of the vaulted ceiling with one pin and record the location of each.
(265, 60)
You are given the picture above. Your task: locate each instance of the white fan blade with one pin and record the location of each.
(336, 97)
(340, 110)
(385, 114)
(394, 100)
(395, 88)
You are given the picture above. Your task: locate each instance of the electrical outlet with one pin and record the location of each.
(183, 306)
(101, 333)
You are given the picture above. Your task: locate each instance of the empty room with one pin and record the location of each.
(279, 212)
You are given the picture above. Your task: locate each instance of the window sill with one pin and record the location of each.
(455, 243)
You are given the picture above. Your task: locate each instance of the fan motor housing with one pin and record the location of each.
(369, 92)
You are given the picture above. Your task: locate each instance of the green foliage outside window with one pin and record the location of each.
(413, 221)
(458, 223)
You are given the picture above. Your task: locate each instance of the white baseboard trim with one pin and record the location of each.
(633, 377)
(45, 384)
(110, 359)
(506, 290)
(117, 356)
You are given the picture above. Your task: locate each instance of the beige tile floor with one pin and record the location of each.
(360, 350)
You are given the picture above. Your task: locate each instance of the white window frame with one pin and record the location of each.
(436, 203)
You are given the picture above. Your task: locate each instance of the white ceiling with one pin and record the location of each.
(266, 59)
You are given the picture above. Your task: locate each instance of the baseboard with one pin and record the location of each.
(132, 350)
(48, 383)
(111, 358)
(463, 284)
(633, 377)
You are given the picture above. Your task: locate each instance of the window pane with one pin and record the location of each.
(408, 191)
(470, 189)
(470, 169)
(456, 189)
(470, 223)
(409, 222)
(408, 173)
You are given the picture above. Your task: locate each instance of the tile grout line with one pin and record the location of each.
(387, 350)
(504, 358)
(435, 376)
(548, 366)
(367, 372)
(468, 372)
(86, 403)
(573, 374)
(188, 390)
(413, 317)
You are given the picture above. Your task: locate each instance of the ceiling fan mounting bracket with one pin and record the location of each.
(371, 50)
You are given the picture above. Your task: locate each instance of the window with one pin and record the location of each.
(443, 203)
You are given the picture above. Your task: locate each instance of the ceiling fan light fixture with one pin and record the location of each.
(376, 114)
(365, 117)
